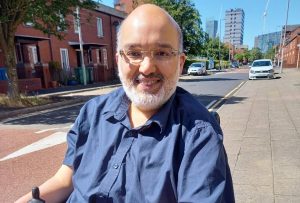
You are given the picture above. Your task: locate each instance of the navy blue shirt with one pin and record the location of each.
(176, 156)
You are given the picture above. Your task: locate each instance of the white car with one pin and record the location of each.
(197, 69)
(261, 68)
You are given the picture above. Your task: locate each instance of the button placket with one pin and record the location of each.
(113, 172)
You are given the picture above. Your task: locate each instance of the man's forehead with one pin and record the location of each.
(139, 46)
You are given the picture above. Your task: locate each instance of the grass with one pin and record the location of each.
(25, 101)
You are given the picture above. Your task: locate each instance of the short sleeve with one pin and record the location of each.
(72, 137)
(204, 168)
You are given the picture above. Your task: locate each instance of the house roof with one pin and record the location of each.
(112, 11)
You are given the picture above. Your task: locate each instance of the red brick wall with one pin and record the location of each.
(89, 35)
(290, 52)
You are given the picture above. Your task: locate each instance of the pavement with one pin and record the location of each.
(261, 125)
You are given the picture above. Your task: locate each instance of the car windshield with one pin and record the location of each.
(261, 63)
(196, 65)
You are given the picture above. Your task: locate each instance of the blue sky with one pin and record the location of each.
(254, 9)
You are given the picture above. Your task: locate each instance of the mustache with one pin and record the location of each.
(152, 75)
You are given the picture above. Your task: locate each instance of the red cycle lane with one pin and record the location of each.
(18, 175)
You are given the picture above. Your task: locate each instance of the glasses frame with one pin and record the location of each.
(122, 53)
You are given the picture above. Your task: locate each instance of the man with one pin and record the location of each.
(149, 141)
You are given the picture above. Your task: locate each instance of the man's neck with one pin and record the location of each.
(139, 117)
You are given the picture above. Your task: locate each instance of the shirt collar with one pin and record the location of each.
(160, 118)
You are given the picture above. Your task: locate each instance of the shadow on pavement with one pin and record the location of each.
(61, 114)
(69, 113)
(204, 79)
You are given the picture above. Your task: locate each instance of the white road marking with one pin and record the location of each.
(52, 140)
(227, 96)
(49, 129)
(211, 103)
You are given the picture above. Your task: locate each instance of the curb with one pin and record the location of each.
(13, 113)
(33, 109)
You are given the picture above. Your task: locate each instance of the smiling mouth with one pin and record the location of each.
(150, 82)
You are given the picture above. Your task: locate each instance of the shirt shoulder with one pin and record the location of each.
(192, 112)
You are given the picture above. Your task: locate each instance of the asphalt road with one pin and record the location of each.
(206, 89)
(32, 146)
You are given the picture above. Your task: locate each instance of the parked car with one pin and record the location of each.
(197, 69)
(261, 68)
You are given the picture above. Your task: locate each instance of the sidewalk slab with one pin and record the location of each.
(262, 139)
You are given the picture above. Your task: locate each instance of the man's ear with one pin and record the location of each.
(182, 59)
(117, 57)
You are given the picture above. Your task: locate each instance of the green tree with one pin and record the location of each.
(270, 54)
(239, 56)
(254, 54)
(188, 18)
(212, 48)
(44, 14)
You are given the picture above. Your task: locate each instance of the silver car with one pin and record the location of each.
(261, 68)
(197, 69)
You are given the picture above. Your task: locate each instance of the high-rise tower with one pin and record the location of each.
(211, 28)
(234, 26)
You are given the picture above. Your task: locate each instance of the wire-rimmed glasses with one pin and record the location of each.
(135, 57)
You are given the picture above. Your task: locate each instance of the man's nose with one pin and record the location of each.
(148, 65)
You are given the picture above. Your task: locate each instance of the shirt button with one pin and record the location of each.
(115, 166)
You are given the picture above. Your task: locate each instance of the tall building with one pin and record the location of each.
(234, 26)
(211, 28)
(267, 41)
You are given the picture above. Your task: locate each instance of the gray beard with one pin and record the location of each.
(146, 101)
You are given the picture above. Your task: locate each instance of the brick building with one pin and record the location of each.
(34, 50)
(291, 48)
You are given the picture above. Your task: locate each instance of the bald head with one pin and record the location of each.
(147, 21)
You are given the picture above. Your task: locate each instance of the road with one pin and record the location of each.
(33, 146)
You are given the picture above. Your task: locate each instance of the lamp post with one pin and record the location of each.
(220, 43)
(298, 56)
(80, 46)
(284, 35)
(280, 46)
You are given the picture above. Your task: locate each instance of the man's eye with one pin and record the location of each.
(162, 53)
(134, 54)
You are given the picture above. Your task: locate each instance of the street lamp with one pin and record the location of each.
(220, 43)
(80, 45)
(284, 34)
(298, 56)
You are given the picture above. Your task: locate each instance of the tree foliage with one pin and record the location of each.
(45, 15)
(188, 18)
(254, 54)
(214, 47)
(270, 54)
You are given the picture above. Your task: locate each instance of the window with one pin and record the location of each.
(64, 59)
(104, 55)
(76, 25)
(99, 27)
(61, 20)
(29, 24)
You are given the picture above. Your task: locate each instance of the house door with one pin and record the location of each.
(32, 55)
(65, 59)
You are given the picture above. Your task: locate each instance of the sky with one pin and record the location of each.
(254, 9)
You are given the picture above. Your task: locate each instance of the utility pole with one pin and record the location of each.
(220, 38)
(298, 45)
(81, 46)
(284, 35)
(280, 47)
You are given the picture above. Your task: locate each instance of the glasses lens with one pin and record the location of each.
(163, 54)
(137, 56)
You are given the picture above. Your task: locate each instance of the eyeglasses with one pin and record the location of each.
(135, 57)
